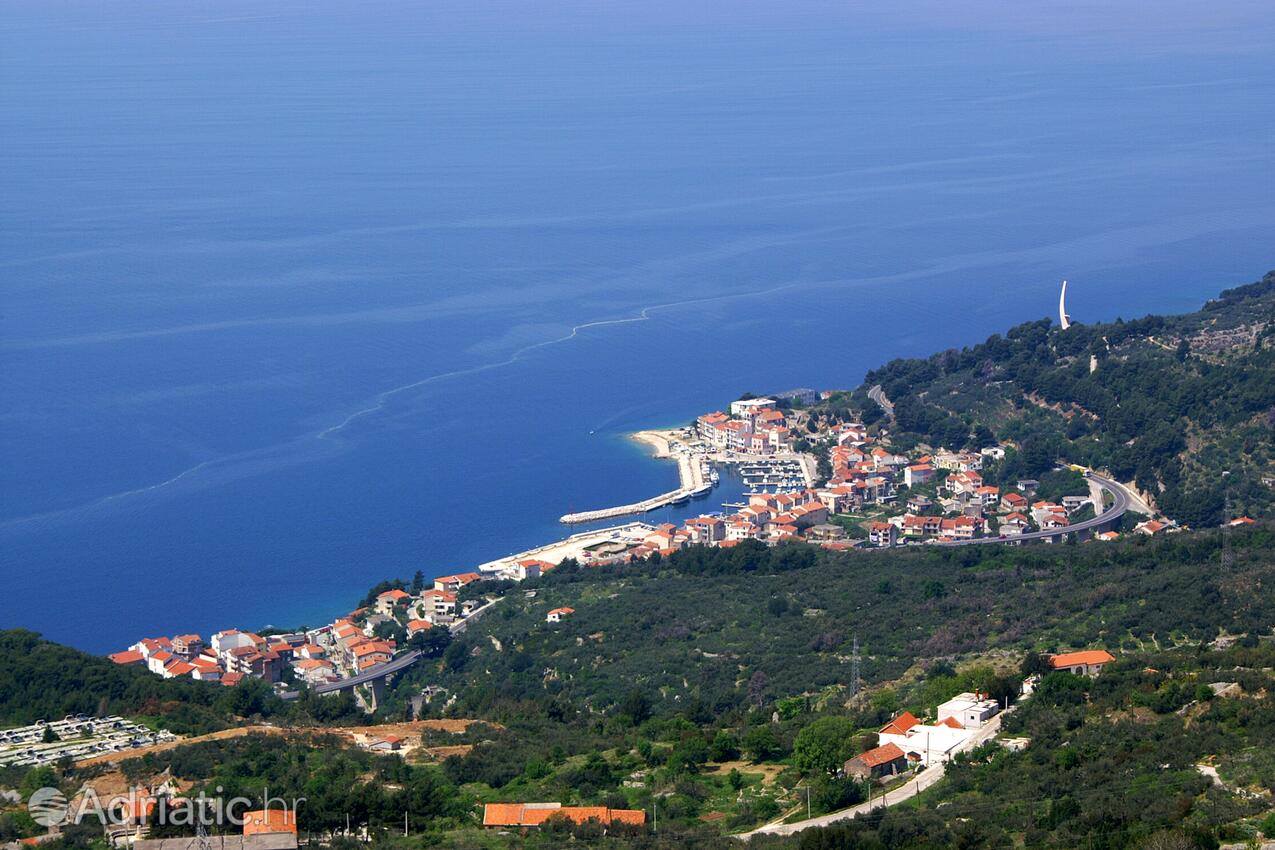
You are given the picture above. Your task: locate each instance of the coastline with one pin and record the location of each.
(661, 440)
(692, 480)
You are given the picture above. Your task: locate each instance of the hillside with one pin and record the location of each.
(734, 628)
(1167, 401)
(42, 680)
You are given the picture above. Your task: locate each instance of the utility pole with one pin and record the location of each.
(855, 682)
(1228, 557)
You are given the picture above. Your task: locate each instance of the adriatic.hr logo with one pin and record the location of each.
(49, 807)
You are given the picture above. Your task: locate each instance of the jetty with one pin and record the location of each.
(693, 474)
(789, 470)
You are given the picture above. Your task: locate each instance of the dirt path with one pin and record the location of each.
(354, 734)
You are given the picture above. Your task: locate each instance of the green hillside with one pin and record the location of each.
(734, 628)
(1170, 402)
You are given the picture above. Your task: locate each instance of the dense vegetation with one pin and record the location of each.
(717, 684)
(733, 628)
(1172, 401)
(1112, 761)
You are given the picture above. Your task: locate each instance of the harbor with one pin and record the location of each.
(783, 472)
(694, 473)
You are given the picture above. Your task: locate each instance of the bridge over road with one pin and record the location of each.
(1122, 500)
(376, 676)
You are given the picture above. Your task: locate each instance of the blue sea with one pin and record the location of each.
(297, 296)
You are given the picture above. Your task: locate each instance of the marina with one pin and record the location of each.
(780, 473)
(693, 469)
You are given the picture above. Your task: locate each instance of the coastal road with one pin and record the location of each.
(380, 671)
(459, 626)
(1122, 502)
(878, 395)
(389, 668)
(925, 779)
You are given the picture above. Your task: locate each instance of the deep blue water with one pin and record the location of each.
(298, 296)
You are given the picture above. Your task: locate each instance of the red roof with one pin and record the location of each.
(880, 755)
(534, 814)
(901, 724)
(127, 657)
(269, 820)
(1087, 656)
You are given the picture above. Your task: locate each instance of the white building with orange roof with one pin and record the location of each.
(963, 482)
(883, 534)
(750, 406)
(706, 530)
(415, 627)
(711, 427)
(961, 528)
(740, 528)
(918, 473)
(149, 646)
(440, 603)
(927, 744)
(204, 669)
(314, 670)
(988, 495)
(556, 615)
(454, 583)
(1014, 524)
(386, 602)
(1087, 662)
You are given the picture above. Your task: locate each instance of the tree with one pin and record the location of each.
(760, 743)
(636, 707)
(418, 582)
(824, 745)
(725, 746)
(49, 735)
(689, 753)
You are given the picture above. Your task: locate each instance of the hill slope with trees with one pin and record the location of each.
(1170, 402)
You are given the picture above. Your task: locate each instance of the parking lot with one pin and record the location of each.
(79, 737)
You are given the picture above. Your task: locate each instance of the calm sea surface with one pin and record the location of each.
(298, 296)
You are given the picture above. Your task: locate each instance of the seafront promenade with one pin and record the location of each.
(570, 547)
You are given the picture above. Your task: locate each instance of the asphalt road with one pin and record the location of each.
(878, 395)
(924, 779)
(1118, 507)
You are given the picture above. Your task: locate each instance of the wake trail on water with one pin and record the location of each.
(381, 400)
(1092, 245)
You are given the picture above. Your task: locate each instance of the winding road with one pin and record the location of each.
(1121, 503)
(926, 778)
(878, 395)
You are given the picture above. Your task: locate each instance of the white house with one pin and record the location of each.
(972, 710)
(556, 615)
(1088, 662)
(926, 744)
(745, 407)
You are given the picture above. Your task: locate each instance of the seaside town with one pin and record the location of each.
(841, 487)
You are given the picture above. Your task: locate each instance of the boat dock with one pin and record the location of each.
(692, 468)
(789, 471)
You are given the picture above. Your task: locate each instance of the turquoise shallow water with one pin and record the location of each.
(298, 298)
